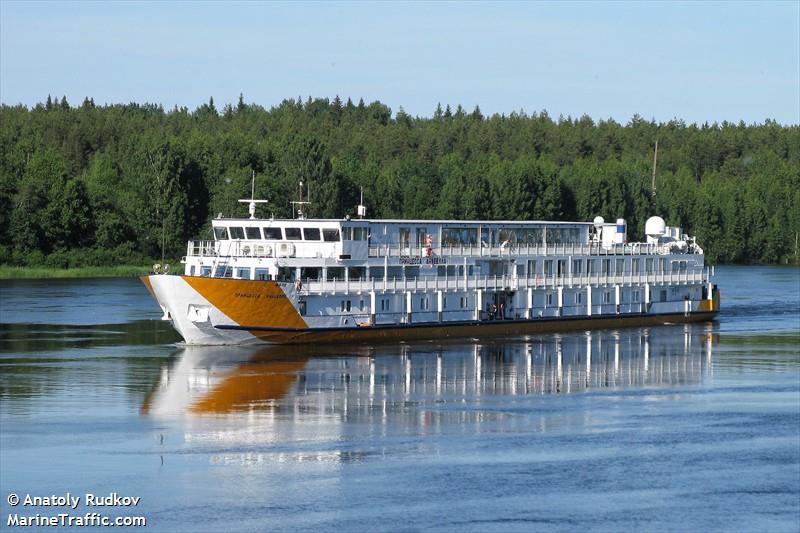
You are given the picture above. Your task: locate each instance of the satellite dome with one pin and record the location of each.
(655, 227)
(599, 221)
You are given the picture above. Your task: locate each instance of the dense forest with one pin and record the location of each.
(96, 185)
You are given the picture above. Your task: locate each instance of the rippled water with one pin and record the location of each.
(667, 428)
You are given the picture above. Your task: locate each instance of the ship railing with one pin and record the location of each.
(249, 248)
(519, 249)
(505, 283)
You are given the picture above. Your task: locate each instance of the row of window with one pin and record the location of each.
(579, 267)
(276, 233)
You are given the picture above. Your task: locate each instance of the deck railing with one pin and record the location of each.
(508, 283)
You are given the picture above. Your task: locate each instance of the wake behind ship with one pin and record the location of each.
(302, 280)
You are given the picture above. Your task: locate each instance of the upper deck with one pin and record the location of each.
(368, 238)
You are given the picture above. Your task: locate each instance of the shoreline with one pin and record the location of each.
(120, 271)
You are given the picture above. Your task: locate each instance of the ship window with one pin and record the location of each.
(376, 273)
(578, 297)
(303, 308)
(635, 295)
(347, 306)
(648, 264)
(310, 273)
(330, 235)
(548, 267)
(205, 271)
(606, 266)
(191, 270)
(591, 266)
(549, 298)
(311, 234)
(223, 272)
(293, 234)
(606, 297)
(395, 272)
(334, 273)
(273, 234)
(220, 234)
(253, 233)
(531, 268)
(347, 234)
(357, 273)
(243, 273)
(412, 272)
(261, 274)
(359, 234)
(620, 266)
(663, 295)
(236, 232)
(577, 267)
(635, 266)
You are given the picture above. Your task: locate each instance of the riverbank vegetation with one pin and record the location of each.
(115, 271)
(92, 185)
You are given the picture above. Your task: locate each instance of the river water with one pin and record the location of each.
(670, 428)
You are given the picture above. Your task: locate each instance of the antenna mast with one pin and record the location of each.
(362, 209)
(297, 205)
(655, 161)
(251, 208)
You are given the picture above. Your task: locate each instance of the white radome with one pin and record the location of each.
(655, 227)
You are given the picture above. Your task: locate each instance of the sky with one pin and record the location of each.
(694, 61)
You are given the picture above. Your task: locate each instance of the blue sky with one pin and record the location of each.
(695, 61)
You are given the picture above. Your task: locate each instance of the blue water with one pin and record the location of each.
(672, 428)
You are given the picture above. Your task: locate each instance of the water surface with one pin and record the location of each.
(670, 428)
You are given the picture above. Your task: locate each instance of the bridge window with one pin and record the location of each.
(357, 273)
(261, 274)
(236, 232)
(243, 273)
(311, 234)
(359, 234)
(253, 233)
(205, 271)
(223, 272)
(330, 235)
(220, 234)
(293, 234)
(273, 234)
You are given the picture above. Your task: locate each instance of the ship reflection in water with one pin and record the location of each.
(360, 383)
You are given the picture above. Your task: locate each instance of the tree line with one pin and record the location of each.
(101, 185)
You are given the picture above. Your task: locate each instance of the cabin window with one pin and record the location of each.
(243, 273)
(347, 234)
(577, 267)
(635, 266)
(261, 274)
(412, 272)
(620, 267)
(254, 234)
(662, 264)
(635, 296)
(549, 298)
(223, 272)
(310, 273)
(663, 295)
(311, 234)
(303, 308)
(293, 234)
(548, 267)
(359, 234)
(347, 306)
(421, 235)
(606, 266)
(357, 273)
(191, 270)
(236, 232)
(273, 234)
(531, 267)
(648, 265)
(395, 272)
(606, 297)
(330, 235)
(578, 297)
(334, 273)
(286, 274)
(220, 234)
(405, 237)
(205, 271)
(376, 273)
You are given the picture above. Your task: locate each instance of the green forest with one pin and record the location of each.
(92, 185)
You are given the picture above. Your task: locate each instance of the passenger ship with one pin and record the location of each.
(303, 280)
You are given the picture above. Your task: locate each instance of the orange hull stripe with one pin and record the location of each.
(255, 303)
